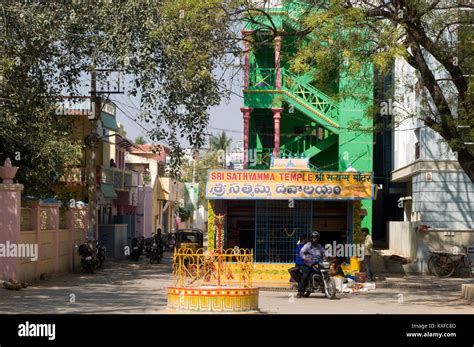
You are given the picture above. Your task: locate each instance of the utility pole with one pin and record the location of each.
(195, 157)
(93, 138)
(91, 141)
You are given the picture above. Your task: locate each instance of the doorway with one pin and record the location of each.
(240, 224)
(330, 220)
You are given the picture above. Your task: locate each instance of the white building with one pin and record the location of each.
(438, 192)
(234, 158)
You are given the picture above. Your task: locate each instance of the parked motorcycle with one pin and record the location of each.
(148, 242)
(136, 249)
(92, 255)
(88, 258)
(100, 251)
(319, 281)
(156, 252)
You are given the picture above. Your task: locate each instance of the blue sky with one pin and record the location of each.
(226, 116)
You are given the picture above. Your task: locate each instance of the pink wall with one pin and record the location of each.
(57, 252)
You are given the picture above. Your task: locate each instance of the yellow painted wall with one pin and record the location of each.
(161, 194)
(277, 272)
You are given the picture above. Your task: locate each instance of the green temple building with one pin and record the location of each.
(291, 126)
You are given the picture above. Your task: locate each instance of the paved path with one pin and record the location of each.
(393, 296)
(121, 287)
(127, 287)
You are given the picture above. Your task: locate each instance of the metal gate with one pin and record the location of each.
(278, 227)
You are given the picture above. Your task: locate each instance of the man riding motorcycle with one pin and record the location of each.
(156, 250)
(312, 253)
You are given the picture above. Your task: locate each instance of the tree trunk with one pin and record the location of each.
(466, 160)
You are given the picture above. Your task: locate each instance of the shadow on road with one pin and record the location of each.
(120, 287)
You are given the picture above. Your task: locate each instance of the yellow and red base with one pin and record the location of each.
(213, 299)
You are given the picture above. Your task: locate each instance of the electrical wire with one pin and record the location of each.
(230, 130)
(126, 114)
(285, 134)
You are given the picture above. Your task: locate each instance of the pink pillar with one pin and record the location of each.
(276, 121)
(277, 62)
(246, 36)
(246, 112)
(35, 212)
(10, 217)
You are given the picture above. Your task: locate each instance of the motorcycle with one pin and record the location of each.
(320, 280)
(100, 251)
(88, 258)
(147, 244)
(156, 252)
(92, 255)
(136, 249)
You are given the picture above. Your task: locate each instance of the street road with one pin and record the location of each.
(128, 287)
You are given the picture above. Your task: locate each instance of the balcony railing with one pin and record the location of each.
(262, 78)
(74, 175)
(120, 179)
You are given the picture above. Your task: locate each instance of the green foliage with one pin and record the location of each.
(184, 213)
(346, 38)
(220, 141)
(140, 140)
(169, 49)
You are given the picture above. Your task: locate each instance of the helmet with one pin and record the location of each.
(314, 235)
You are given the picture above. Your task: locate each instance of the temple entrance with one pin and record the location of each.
(278, 225)
(272, 228)
(240, 224)
(330, 220)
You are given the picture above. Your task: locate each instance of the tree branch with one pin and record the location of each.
(447, 130)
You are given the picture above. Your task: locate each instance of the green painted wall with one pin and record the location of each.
(356, 134)
(327, 160)
(355, 138)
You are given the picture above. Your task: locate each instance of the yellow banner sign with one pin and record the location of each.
(283, 185)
